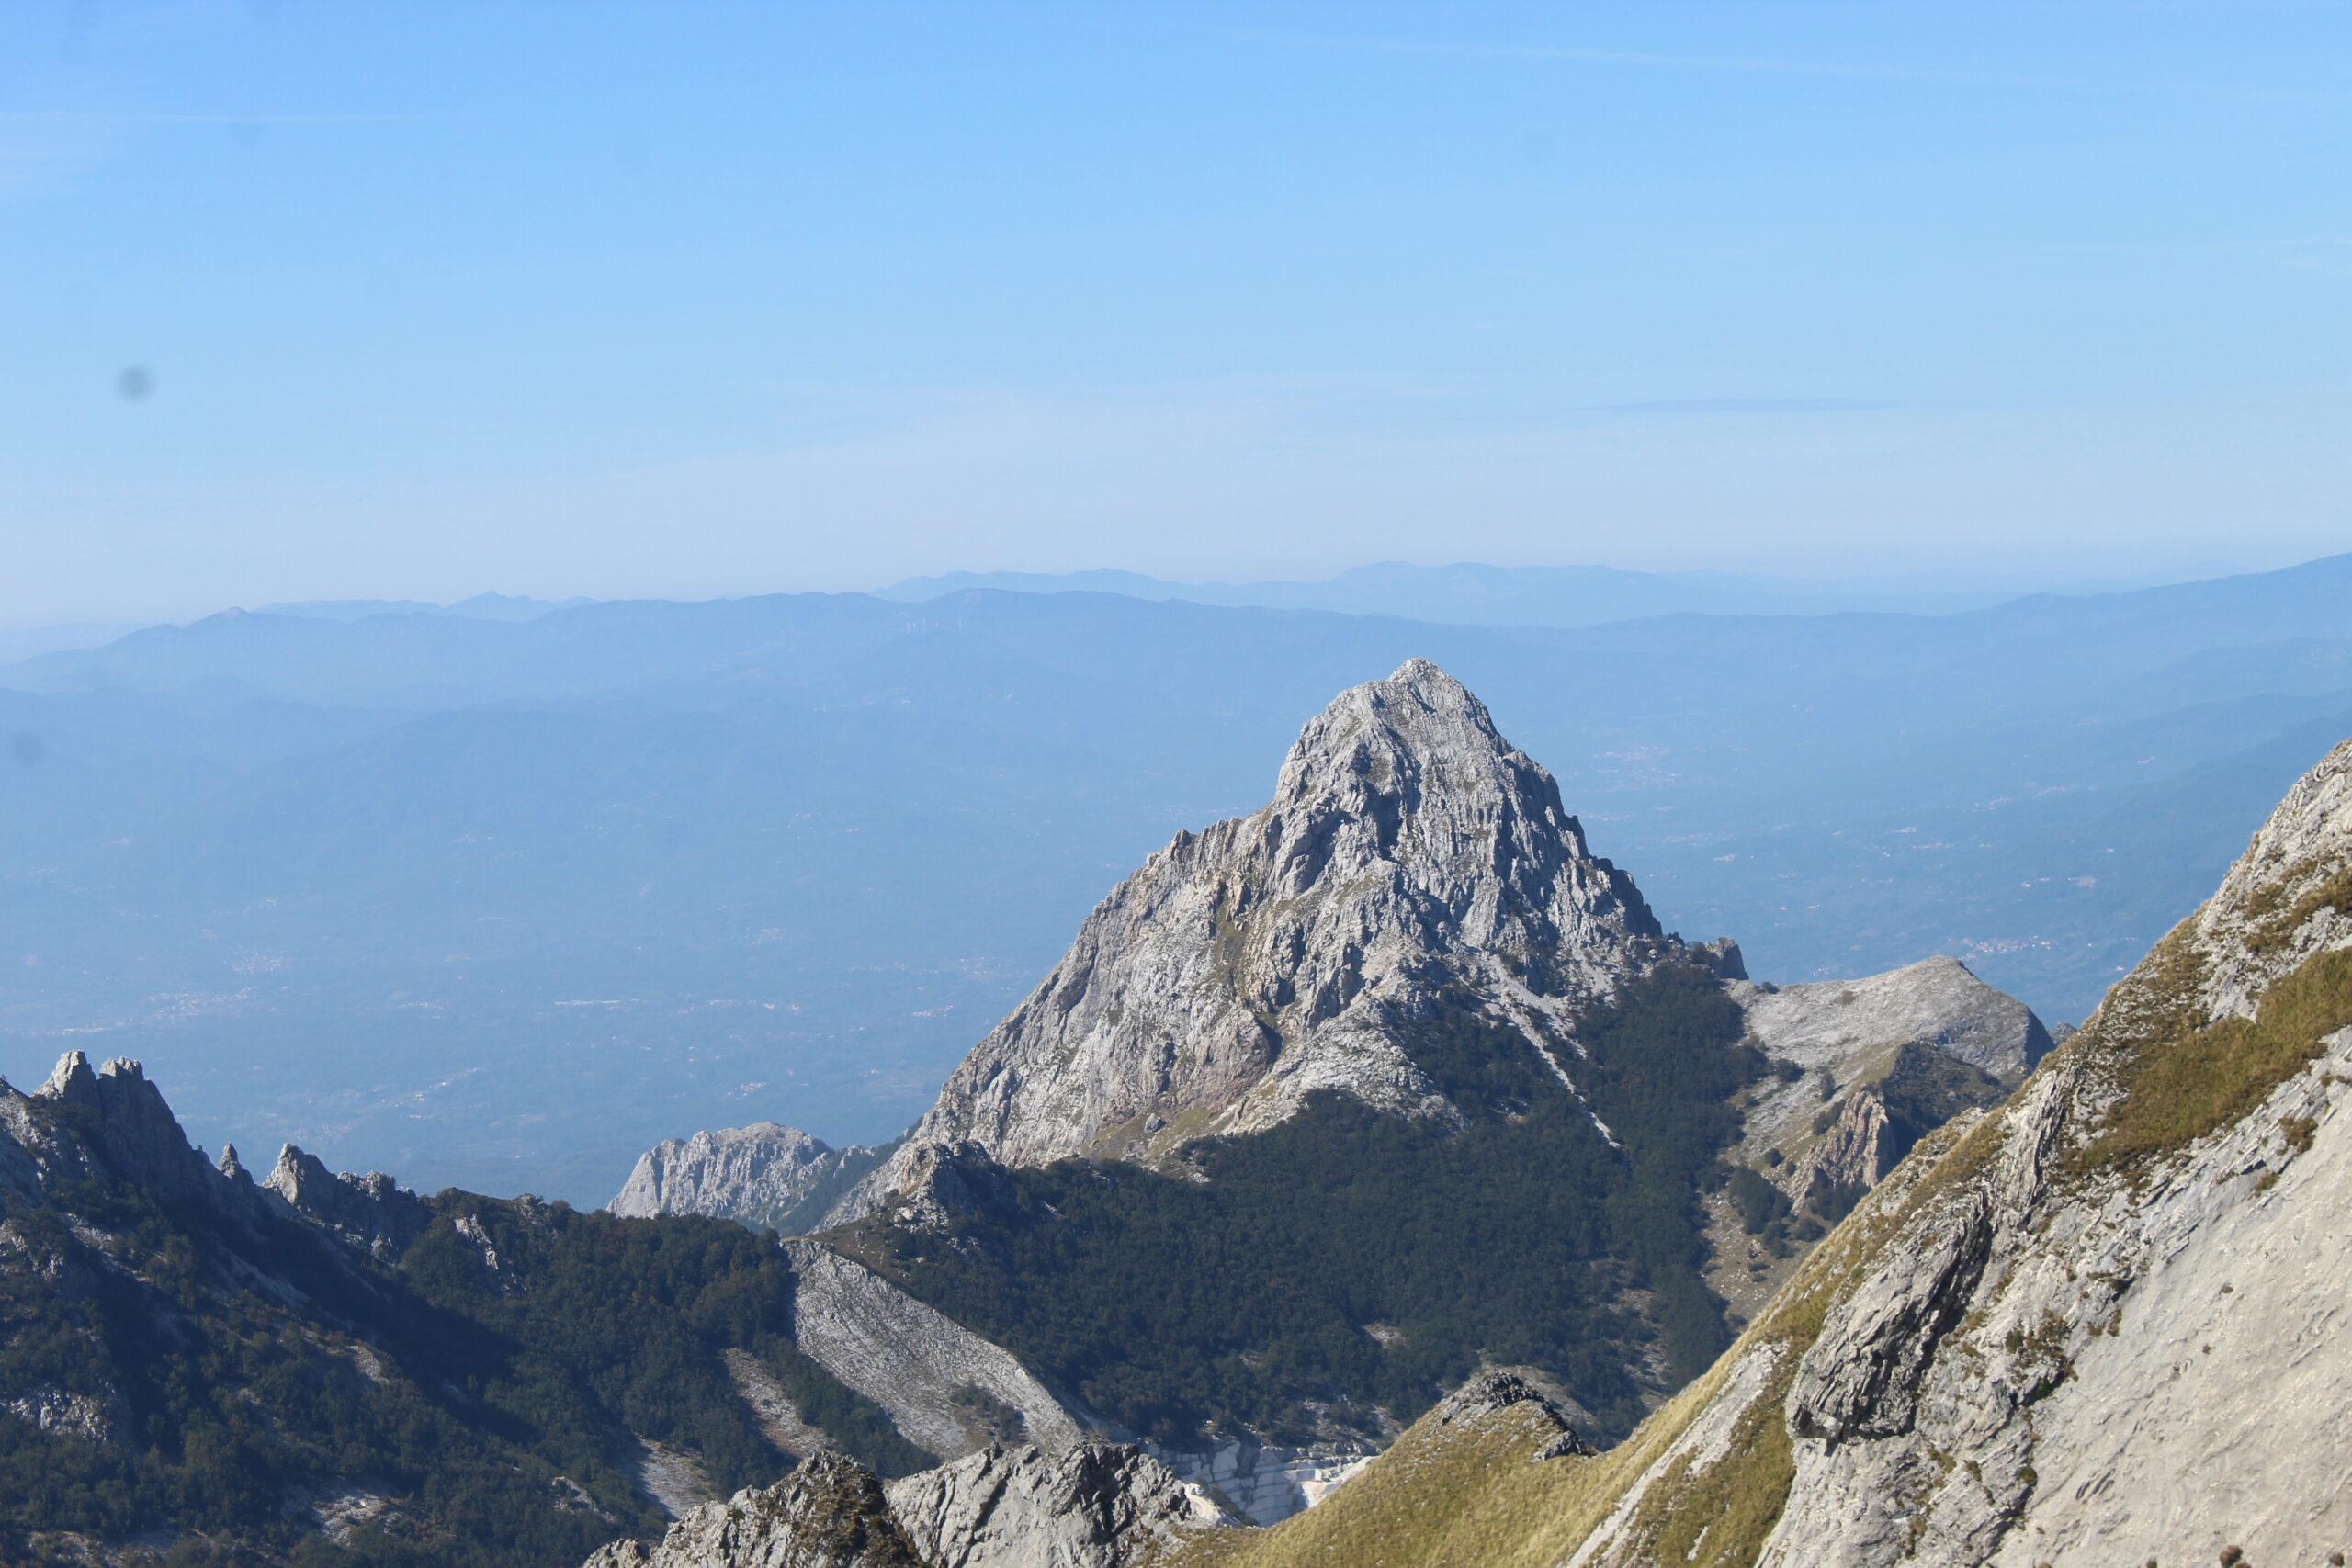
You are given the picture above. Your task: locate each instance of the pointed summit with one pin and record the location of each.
(71, 1081)
(1412, 861)
(1411, 772)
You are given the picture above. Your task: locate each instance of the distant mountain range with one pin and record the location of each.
(506, 902)
(480, 608)
(1467, 593)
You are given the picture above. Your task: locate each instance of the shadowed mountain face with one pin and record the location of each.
(507, 903)
(234, 1370)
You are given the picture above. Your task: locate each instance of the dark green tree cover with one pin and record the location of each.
(257, 1366)
(1928, 1088)
(1350, 1259)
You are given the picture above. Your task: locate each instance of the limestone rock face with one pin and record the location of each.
(830, 1513)
(1827, 1026)
(2106, 1323)
(766, 1176)
(1096, 1506)
(130, 1125)
(945, 1388)
(1408, 849)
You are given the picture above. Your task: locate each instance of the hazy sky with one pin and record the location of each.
(337, 299)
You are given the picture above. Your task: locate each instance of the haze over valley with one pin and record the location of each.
(501, 903)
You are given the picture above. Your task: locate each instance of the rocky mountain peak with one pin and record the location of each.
(2095, 1323)
(1409, 776)
(1096, 1506)
(1411, 861)
(71, 1082)
(133, 1125)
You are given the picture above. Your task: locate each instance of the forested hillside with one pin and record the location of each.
(185, 1359)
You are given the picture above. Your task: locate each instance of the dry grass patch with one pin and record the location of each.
(2187, 1079)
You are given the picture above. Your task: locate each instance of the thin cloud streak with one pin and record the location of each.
(1742, 405)
(110, 117)
(1765, 67)
(1662, 61)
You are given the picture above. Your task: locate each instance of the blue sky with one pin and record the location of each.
(701, 298)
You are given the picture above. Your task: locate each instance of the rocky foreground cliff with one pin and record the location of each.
(2104, 1324)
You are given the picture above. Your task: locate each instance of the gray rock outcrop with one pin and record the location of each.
(1834, 1026)
(1096, 1506)
(2105, 1323)
(1408, 849)
(948, 1389)
(830, 1513)
(766, 1176)
(127, 1125)
(1267, 1482)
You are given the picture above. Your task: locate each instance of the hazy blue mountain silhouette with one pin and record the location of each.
(1472, 594)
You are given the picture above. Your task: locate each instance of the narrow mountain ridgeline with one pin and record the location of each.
(2103, 1323)
(1220, 1181)
(317, 1369)
(1095, 1507)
